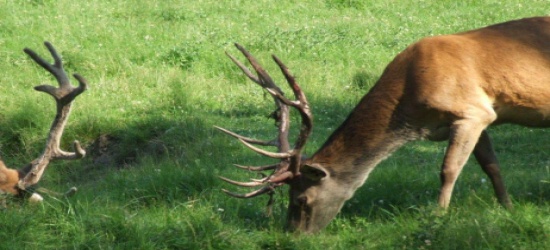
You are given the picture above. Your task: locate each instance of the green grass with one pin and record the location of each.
(159, 82)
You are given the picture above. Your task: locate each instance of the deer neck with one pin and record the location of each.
(369, 135)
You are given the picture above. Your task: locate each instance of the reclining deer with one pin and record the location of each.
(17, 182)
(448, 87)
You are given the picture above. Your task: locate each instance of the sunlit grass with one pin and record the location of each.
(159, 81)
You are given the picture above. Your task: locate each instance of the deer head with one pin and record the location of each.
(16, 182)
(307, 181)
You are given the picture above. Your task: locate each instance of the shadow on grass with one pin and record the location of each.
(410, 177)
(180, 156)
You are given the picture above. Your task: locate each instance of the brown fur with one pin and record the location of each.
(448, 87)
(8, 179)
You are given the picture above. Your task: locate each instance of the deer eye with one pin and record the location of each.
(302, 200)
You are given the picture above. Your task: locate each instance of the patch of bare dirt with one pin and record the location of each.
(108, 150)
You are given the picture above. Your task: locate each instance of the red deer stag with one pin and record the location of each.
(17, 182)
(448, 87)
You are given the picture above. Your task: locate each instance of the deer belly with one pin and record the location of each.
(524, 116)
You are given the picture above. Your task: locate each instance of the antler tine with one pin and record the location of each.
(65, 90)
(253, 183)
(301, 105)
(252, 194)
(78, 153)
(300, 96)
(248, 139)
(265, 80)
(281, 155)
(259, 168)
(52, 68)
(63, 95)
(248, 143)
(281, 177)
(245, 70)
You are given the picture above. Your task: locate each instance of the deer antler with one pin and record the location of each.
(289, 166)
(64, 96)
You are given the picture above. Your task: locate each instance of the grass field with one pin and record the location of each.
(159, 81)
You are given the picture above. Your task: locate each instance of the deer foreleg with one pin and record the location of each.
(463, 138)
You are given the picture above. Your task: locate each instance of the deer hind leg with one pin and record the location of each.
(463, 138)
(486, 157)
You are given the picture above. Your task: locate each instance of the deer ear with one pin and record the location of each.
(313, 172)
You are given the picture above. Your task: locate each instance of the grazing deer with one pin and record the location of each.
(16, 182)
(448, 87)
